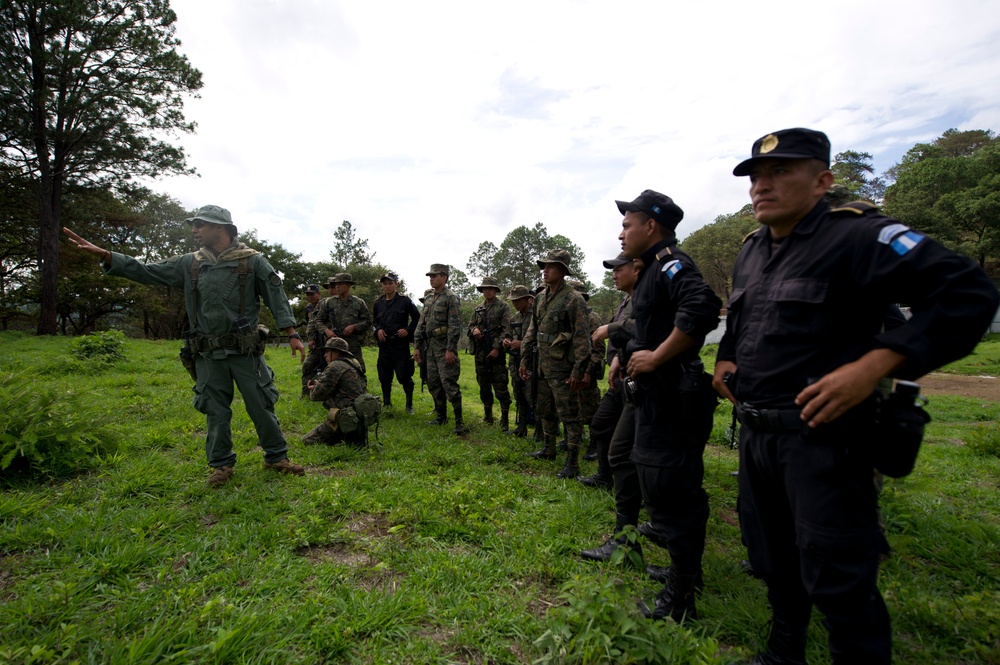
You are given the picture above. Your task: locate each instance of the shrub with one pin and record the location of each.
(107, 346)
(48, 434)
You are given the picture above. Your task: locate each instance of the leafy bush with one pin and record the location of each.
(46, 433)
(600, 624)
(107, 346)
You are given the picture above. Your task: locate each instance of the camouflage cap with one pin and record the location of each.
(212, 215)
(519, 291)
(312, 288)
(338, 344)
(579, 288)
(619, 260)
(341, 278)
(560, 256)
(438, 269)
(489, 283)
(427, 294)
(838, 195)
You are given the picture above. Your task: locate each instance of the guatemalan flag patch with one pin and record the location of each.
(900, 238)
(671, 268)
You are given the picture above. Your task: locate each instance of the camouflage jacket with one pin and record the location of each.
(336, 314)
(441, 321)
(492, 320)
(339, 384)
(561, 330)
(515, 331)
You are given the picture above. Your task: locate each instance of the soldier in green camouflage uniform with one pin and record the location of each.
(337, 387)
(562, 333)
(523, 302)
(314, 363)
(221, 295)
(486, 329)
(344, 315)
(440, 328)
(590, 394)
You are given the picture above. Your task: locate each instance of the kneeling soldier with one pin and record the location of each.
(337, 387)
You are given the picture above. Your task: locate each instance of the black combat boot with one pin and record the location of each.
(572, 467)
(605, 551)
(386, 399)
(409, 403)
(675, 600)
(785, 646)
(488, 414)
(459, 424)
(548, 451)
(504, 418)
(441, 414)
(522, 430)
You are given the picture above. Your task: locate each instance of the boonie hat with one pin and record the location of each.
(619, 260)
(212, 215)
(796, 143)
(519, 291)
(338, 344)
(489, 283)
(658, 206)
(560, 256)
(437, 269)
(579, 288)
(342, 278)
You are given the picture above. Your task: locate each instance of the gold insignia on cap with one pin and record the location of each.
(768, 143)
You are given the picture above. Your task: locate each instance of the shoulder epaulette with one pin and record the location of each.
(663, 252)
(747, 236)
(855, 207)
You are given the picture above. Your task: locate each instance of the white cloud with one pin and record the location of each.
(435, 126)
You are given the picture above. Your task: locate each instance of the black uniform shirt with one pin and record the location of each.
(392, 315)
(817, 300)
(670, 292)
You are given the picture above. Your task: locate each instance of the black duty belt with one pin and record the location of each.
(212, 342)
(769, 420)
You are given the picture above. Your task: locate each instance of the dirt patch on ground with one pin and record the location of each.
(977, 387)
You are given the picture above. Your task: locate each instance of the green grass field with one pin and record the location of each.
(426, 549)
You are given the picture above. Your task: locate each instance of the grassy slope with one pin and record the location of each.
(430, 549)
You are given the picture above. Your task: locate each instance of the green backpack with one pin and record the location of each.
(362, 415)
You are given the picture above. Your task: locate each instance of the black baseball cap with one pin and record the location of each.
(796, 143)
(658, 206)
(619, 260)
(389, 277)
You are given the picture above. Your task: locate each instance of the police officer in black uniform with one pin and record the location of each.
(803, 351)
(395, 318)
(673, 309)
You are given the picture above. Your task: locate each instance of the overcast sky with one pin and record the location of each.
(433, 126)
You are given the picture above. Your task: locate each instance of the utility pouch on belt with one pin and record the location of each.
(333, 417)
(899, 429)
(187, 358)
(557, 350)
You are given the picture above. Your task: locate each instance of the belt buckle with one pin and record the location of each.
(752, 417)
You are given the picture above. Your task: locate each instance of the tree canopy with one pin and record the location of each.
(714, 248)
(88, 91)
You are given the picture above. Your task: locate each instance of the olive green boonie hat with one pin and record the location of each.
(341, 278)
(579, 288)
(519, 291)
(560, 256)
(489, 283)
(338, 344)
(438, 269)
(212, 215)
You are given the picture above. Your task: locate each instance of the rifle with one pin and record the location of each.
(420, 343)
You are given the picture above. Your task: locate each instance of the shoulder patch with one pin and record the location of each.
(890, 232)
(904, 242)
(672, 268)
(274, 279)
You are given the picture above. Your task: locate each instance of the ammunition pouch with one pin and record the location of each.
(899, 431)
(333, 418)
(558, 344)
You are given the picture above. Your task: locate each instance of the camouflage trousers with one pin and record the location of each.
(492, 378)
(557, 403)
(442, 378)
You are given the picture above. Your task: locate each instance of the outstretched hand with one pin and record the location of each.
(85, 245)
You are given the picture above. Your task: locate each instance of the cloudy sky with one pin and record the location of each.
(433, 126)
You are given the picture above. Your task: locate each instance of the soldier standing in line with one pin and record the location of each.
(337, 387)
(314, 363)
(224, 337)
(440, 328)
(590, 393)
(344, 315)
(396, 319)
(562, 333)
(489, 320)
(523, 301)
(674, 401)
